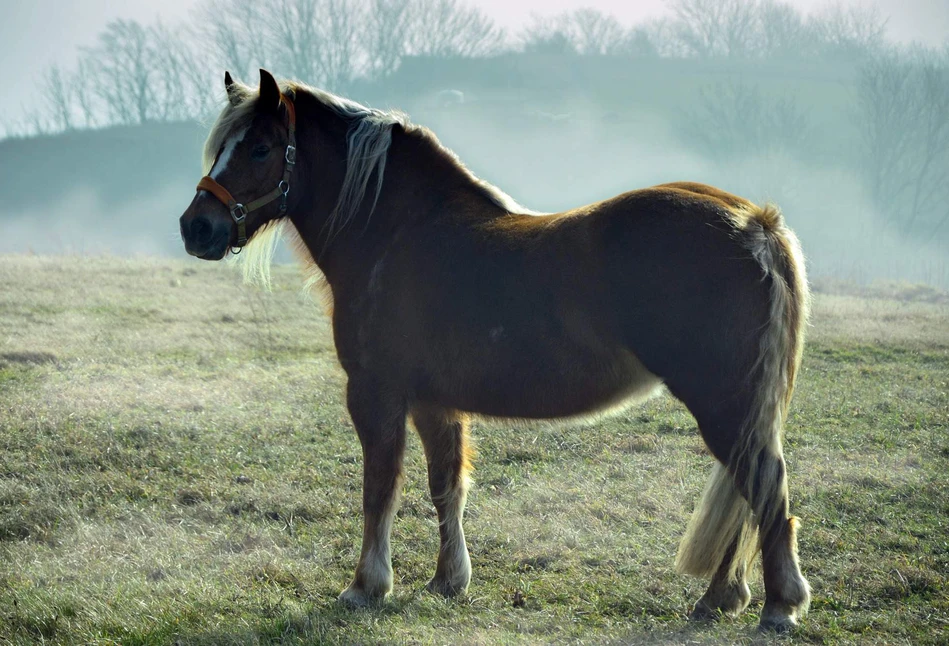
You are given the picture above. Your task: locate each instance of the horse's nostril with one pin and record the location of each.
(201, 230)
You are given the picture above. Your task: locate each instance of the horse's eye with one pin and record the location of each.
(260, 153)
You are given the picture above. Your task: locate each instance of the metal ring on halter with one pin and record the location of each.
(239, 221)
(283, 186)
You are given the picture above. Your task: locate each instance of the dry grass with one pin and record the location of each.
(176, 466)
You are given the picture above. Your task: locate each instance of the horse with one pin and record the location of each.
(450, 302)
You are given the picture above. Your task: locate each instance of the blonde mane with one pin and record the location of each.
(368, 141)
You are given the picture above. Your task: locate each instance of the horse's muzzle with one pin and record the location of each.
(205, 238)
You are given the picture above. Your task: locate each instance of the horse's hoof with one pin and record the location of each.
(777, 622)
(719, 603)
(356, 597)
(702, 612)
(778, 626)
(446, 588)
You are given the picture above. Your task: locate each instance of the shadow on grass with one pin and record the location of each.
(323, 622)
(398, 622)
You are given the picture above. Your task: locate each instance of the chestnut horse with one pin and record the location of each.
(450, 301)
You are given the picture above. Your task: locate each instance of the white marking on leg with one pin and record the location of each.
(375, 563)
(376, 567)
(453, 554)
(373, 577)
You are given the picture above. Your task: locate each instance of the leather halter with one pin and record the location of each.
(239, 211)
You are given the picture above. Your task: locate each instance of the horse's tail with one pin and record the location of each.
(750, 492)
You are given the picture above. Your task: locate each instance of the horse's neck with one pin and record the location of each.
(422, 184)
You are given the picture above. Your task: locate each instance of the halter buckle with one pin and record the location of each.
(239, 208)
(291, 155)
(239, 214)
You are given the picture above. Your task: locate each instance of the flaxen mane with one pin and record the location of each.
(368, 142)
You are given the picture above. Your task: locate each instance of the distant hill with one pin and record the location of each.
(116, 190)
(118, 163)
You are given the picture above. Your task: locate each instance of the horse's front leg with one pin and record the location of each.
(379, 418)
(444, 436)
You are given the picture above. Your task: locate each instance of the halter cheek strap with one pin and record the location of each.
(239, 211)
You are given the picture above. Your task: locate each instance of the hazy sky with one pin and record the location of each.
(36, 33)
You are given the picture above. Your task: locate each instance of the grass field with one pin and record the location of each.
(176, 466)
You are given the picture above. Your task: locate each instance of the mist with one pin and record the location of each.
(822, 113)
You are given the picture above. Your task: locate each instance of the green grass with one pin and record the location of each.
(177, 466)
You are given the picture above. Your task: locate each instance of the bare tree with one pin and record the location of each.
(849, 32)
(293, 30)
(596, 32)
(715, 28)
(237, 32)
(341, 54)
(904, 104)
(181, 79)
(58, 91)
(548, 34)
(316, 40)
(639, 42)
(661, 33)
(585, 32)
(169, 55)
(124, 77)
(37, 123)
(388, 23)
(782, 31)
(449, 28)
(734, 120)
(83, 89)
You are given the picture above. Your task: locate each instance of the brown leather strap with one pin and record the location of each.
(208, 184)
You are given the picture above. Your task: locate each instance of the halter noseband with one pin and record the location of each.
(239, 211)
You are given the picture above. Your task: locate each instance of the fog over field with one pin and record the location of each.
(818, 108)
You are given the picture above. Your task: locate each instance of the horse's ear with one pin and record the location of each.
(234, 93)
(269, 92)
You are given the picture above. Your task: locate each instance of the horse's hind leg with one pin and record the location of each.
(719, 543)
(380, 423)
(787, 593)
(444, 435)
(728, 593)
(744, 506)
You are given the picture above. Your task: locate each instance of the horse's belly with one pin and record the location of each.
(551, 385)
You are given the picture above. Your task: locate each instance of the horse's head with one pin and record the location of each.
(249, 159)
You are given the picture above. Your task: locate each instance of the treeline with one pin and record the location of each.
(139, 73)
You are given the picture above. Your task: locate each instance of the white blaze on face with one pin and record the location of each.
(221, 164)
